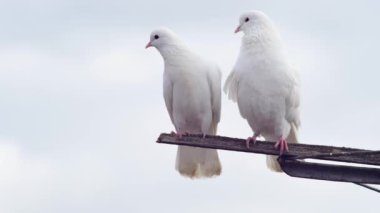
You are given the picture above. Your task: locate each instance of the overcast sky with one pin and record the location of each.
(81, 105)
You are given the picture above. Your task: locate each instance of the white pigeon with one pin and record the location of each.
(265, 85)
(192, 93)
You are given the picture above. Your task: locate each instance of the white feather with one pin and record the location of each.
(264, 84)
(192, 96)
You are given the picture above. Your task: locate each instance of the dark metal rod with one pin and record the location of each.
(265, 147)
(297, 168)
(368, 187)
(340, 173)
(336, 154)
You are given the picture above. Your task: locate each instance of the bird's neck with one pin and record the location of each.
(172, 53)
(260, 41)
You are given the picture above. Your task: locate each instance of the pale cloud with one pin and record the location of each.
(82, 103)
(121, 66)
(36, 67)
(16, 168)
(23, 178)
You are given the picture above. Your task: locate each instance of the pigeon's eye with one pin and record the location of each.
(246, 19)
(156, 37)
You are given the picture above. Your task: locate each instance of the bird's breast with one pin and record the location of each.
(191, 100)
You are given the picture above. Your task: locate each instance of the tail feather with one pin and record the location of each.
(293, 135)
(196, 162)
(213, 128)
(272, 162)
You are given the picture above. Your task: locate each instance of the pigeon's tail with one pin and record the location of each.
(293, 135)
(231, 86)
(214, 128)
(272, 162)
(196, 162)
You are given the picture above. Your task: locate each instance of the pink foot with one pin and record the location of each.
(250, 139)
(179, 135)
(282, 144)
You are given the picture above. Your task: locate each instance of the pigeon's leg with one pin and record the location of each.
(253, 139)
(179, 135)
(282, 144)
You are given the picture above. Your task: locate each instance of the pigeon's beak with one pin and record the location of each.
(237, 29)
(148, 45)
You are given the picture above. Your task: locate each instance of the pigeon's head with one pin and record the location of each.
(162, 37)
(253, 21)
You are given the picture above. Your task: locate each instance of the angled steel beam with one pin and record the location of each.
(303, 151)
(290, 162)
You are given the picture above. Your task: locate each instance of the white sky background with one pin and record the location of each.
(81, 105)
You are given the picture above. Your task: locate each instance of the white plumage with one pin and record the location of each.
(192, 93)
(264, 84)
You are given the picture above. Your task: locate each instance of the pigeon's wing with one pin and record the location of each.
(292, 108)
(168, 95)
(214, 79)
(231, 86)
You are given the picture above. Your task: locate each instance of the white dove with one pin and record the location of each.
(265, 85)
(192, 93)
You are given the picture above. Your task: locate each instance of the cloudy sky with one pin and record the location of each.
(81, 105)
